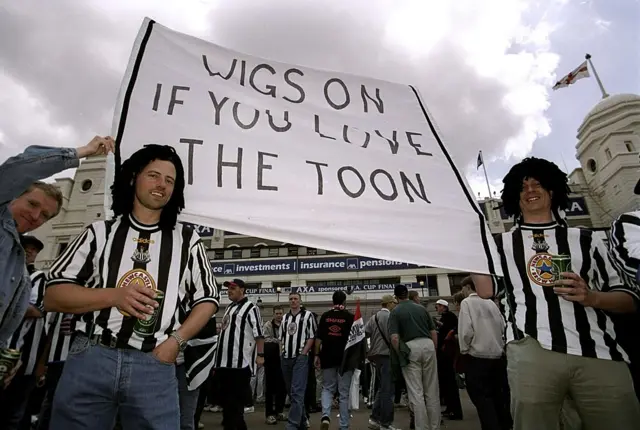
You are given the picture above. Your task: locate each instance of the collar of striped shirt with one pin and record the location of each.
(543, 226)
(240, 302)
(137, 225)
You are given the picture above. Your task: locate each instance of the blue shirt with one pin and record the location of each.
(16, 175)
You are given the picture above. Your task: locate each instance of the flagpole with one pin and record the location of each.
(486, 177)
(595, 73)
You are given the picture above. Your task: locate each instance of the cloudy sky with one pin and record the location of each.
(485, 67)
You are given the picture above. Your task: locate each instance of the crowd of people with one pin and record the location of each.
(121, 331)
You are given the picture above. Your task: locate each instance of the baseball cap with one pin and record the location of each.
(386, 299)
(236, 282)
(442, 302)
(400, 290)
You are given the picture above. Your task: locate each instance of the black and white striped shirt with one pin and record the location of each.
(241, 327)
(531, 306)
(624, 246)
(60, 340)
(296, 331)
(199, 357)
(115, 253)
(29, 338)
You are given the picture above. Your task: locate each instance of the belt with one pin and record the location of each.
(109, 341)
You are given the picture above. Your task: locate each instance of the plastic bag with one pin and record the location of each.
(354, 391)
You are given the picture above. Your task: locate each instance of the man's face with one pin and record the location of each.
(235, 293)
(277, 315)
(32, 209)
(534, 199)
(31, 252)
(294, 301)
(441, 308)
(154, 185)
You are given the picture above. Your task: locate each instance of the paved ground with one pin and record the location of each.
(255, 421)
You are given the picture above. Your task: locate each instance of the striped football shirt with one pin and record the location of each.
(530, 304)
(241, 327)
(122, 251)
(30, 337)
(296, 331)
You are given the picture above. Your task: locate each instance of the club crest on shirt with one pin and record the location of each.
(136, 277)
(142, 256)
(292, 328)
(539, 243)
(225, 323)
(540, 270)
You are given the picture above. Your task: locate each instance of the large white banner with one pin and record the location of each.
(304, 156)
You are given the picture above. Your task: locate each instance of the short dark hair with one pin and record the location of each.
(277, 308)
(339, 297)
(469, 281)
(413, 294)
(549, 175)
(295, 293)
(123, 189)
(401, 291)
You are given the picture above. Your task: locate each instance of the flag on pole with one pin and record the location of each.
(582, 71)
(354, 350)
(480, 160)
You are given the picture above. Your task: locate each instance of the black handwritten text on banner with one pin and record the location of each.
(304, 156)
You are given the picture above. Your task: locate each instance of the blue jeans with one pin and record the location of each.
(331, 379)
(188, 399)
(382, 411)
(98, 383)
(295, 372)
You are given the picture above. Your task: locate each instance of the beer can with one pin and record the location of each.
(8, 360)
(560, 264)
(148, 327)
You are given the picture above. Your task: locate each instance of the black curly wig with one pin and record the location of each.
(551, 178)
(124, 186)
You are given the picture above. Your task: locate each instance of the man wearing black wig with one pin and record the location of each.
(109, 276)
(560, 340)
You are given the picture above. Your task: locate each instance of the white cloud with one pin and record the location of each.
(484, 67)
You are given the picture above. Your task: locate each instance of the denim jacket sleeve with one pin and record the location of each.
(35, 163)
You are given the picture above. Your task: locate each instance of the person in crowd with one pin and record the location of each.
(32, 247)
(459, 297)
(257, 385)
(377, 329)
(274, 381)
(560, 337)
(411, 326)
(298, 333)
(447, 328)
(624, 248)
(414, 296)
(145, 287)
(310, 399)
(240, 344)
(193, 367)
(459, 361)
(26, 203)
(59, 328)
(331, 339)
(29, 339)
(480, 335)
